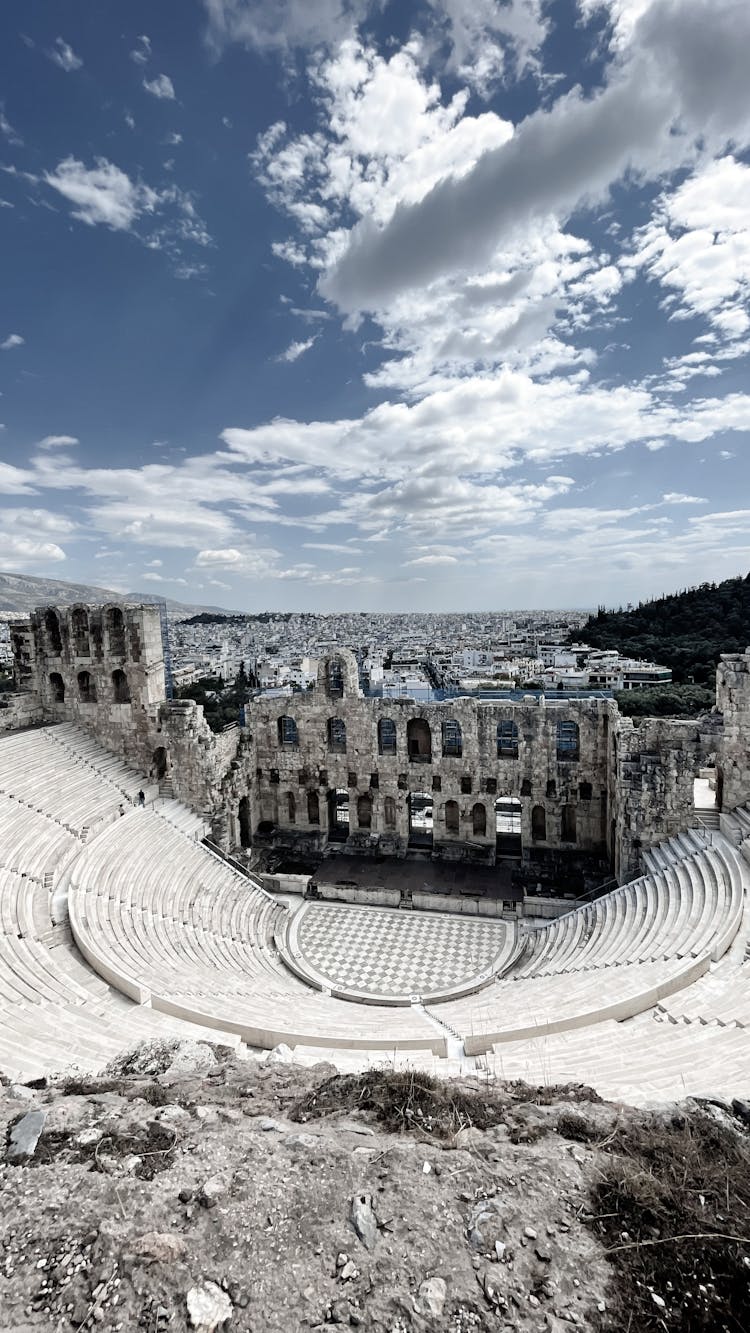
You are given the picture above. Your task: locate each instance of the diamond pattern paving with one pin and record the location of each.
(384, 952)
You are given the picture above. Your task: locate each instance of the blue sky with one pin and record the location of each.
(379, 305)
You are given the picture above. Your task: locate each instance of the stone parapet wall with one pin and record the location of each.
(18, 711)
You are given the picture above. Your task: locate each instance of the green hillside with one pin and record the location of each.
(686, 631)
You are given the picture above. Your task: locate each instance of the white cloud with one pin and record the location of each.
(160, 86)
(57, 442)
(141, 53)
(105, 195)
(102, 194)
(296, 349)
(674, 87)
(19, 552)
(697, 245)
(490, 39)
(284, 24)
(434, 560)
(12, 340)
(38, 520)
(63, 55)
(8, 132)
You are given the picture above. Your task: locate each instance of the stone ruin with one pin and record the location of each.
(329, 770)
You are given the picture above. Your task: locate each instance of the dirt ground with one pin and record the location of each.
(187, 1189)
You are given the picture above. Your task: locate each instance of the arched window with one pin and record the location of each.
(86, 688)
(507, 740)
(243, 812)
(452, 739)
(568, 824)
(291, 807)
(386, 736)
(419, 740)
(120, 687)
(54, 639)
(336, 735)
(79, 621)
(313, 808)
(57, 686)
(364, 810)
(479, 820)
(451, 816)
(389, 812)
(568, 741)
(539, 824)
(335, 678)
(288, 734)
(116, 631)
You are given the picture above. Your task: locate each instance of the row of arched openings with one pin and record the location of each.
(87, 687)
(114, 626)
(419, 738)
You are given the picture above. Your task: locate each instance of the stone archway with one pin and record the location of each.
(160, 763)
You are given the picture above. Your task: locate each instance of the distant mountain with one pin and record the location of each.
(22, 592)
(686, 630)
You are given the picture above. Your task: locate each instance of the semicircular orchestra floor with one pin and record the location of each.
(380, 951)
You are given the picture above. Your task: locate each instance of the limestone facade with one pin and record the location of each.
(327, 769)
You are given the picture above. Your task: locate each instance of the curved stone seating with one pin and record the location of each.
(616, 957)
(690, 906)
(638, 1061)
(169, 924)
(176, 941)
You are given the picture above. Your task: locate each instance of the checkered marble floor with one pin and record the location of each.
(381, 951)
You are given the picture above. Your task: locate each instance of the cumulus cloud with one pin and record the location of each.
(491, 39)
(102, 194)
(697, 246)
(160, 86)
(63, 55)
(283, 25)
(23, 553)
(12, 340)
(296, 349)
(684, 78)
(105, 195)
(57, 442)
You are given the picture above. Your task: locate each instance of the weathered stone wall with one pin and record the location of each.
(18, 711)
(655, 764)
(102, 667)
(733, 753)
(589, 782)
(448, 752)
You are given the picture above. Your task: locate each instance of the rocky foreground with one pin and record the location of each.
(187, 1189)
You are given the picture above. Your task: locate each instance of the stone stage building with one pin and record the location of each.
(553, 783)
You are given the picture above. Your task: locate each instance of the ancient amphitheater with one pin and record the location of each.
(125, 915)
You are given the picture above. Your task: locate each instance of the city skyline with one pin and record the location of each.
(436, 305)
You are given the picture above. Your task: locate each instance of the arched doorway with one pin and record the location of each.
(420, 819)
(160, 764)
(479, 820)
(57, 686)
(338, 814)
(243, 814)
(508, 827)
(120, 687)
(419, 740)
(86, 688)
